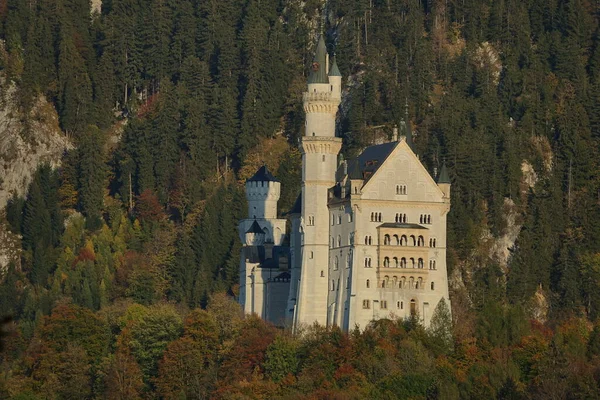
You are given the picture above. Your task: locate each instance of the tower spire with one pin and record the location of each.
(318, 68)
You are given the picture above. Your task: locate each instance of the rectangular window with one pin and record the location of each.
(366, 304)
(383, 304)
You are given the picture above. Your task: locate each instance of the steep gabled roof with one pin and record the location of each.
(262, 175)
(368, 162)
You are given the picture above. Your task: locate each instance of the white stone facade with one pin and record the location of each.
(367, 238)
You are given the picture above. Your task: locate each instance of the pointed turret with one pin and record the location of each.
(443, 181)
(334, 70)
(443, 176)
(318, 72)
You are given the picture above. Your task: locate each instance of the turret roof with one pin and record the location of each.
(334, 70)
(318, 73)
(255, 228)
(443, 177)
(262, 175)
(297, 207)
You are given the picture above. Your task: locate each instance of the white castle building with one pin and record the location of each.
(368, 235)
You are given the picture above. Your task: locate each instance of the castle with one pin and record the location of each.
(368, 235)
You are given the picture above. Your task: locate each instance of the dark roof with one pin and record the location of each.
(369, 161)
(284, 276)
(354, 171)
(334, 70)
(255, 228)
(263, 175)
(443, 177)
(297, 207)
(318, 73)
(401, 225)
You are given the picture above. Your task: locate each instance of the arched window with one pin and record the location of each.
(336, 263)
(402, 305)
(395, 262)
(421, 241)
(403, 262)
(432, 286)
(421, 219)
(421, 263)
(369, 262)
(404, 218)
(420, 283)
(429, 219)
(412, 262)
(403, 240)
(430, 242)
(312, 254)
(397, 189)
(382, 284)
(413, 307)
(396, 240)
(340, 219)
(386, 262)
(413, 240)
(417, 285)
(366, 263)
(386, 240)
(339, 240)
(322, 274)
(433, 264)
(370, 240)
(434, 242)
(366, 240)
(379, 217)
(397, 218)
(368, 283)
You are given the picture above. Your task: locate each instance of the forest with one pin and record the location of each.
(128, 272)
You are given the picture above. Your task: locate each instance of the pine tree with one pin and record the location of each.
(92, 176)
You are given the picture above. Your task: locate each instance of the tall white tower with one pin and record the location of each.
(319, 148)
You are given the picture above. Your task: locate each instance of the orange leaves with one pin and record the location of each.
(148, 208)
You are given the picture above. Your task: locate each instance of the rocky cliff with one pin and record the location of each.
(26, 141)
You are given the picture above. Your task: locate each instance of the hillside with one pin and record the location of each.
(125, 135)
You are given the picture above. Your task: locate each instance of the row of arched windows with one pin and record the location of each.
(425, 219)
(432, 264)
(403, 240)
(336, 262)
(375, 217)
(368, 240)
(402, 283)
(400, 189)
(367, 262)
(401, 218)
(402, 263)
